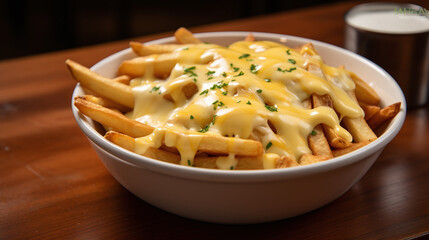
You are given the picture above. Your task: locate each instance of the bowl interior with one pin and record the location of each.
(377, 78)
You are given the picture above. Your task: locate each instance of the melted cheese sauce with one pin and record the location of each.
(249, 90)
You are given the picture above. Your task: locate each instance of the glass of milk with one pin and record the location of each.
(396, 37)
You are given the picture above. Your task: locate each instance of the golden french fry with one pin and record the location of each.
(351, 148)
(113, 119)
(183, 35)
(358, 127)
(161, 65)
(188, 90)
(124, 79)
(105, 103)
(333, 138)
(249, 38)
(317, 140)
(370, 110)
(120, 139)
(128, 143)
(318, 143)
(384, 115)
(105, 87)
(285, 162)
(306, 159)
(145, 50)
(364, 92)
(224, 145)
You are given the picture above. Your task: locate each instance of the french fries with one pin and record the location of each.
(180, 114)
(103, 86)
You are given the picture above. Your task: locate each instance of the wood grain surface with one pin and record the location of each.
(53, 186)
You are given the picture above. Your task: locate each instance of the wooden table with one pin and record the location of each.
(53, 186)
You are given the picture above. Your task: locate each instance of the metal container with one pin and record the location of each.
(396, 37)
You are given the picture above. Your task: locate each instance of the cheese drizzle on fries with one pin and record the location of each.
(258, 102)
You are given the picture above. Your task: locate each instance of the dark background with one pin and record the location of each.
(31, 27)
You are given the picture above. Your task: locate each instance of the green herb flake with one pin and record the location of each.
(205, 129)
(191, 117)
(288, 52)
(239, 101)
(271, 108)
(214, 117)
(189, 162)
(259, 90)
(292, 61)
(269, 144)
(267, 80)
(246, 55)
(183, 49)
(209, 73)
(154, 89)
(204, 92)
(231, 168)
(239, 74)
(195, 80)
(313, 133)
(225, 93)
(253, 68)
(286, 70)
(249, 103)
(224, 74)
(190, 70)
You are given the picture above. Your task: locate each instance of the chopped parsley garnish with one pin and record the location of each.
(209, 73)
(249, 103)
(271, 108)
(190, 70)
(204, 92)
(231, 168)
(210, 78)
(235, 69)
(288, 52)
(195, 80)
(224, 74)
(154, 89)
(259, 90)
(286, 70)
(313, 133)
(225, 93)
(269, 144)
(253, 68)
(292, 61)
(206, 128)
(239, 101)
(246, 55)
(267, 80)
(239, 74)
(214, 117)
(191, 117)
(219, 85)
(189, 162)
(217, 103)
(185, 49)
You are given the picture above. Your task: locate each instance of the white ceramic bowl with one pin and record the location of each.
(238, 197)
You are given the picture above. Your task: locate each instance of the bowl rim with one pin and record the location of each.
(217, 175)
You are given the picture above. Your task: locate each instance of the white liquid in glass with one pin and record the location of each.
(389, 22)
